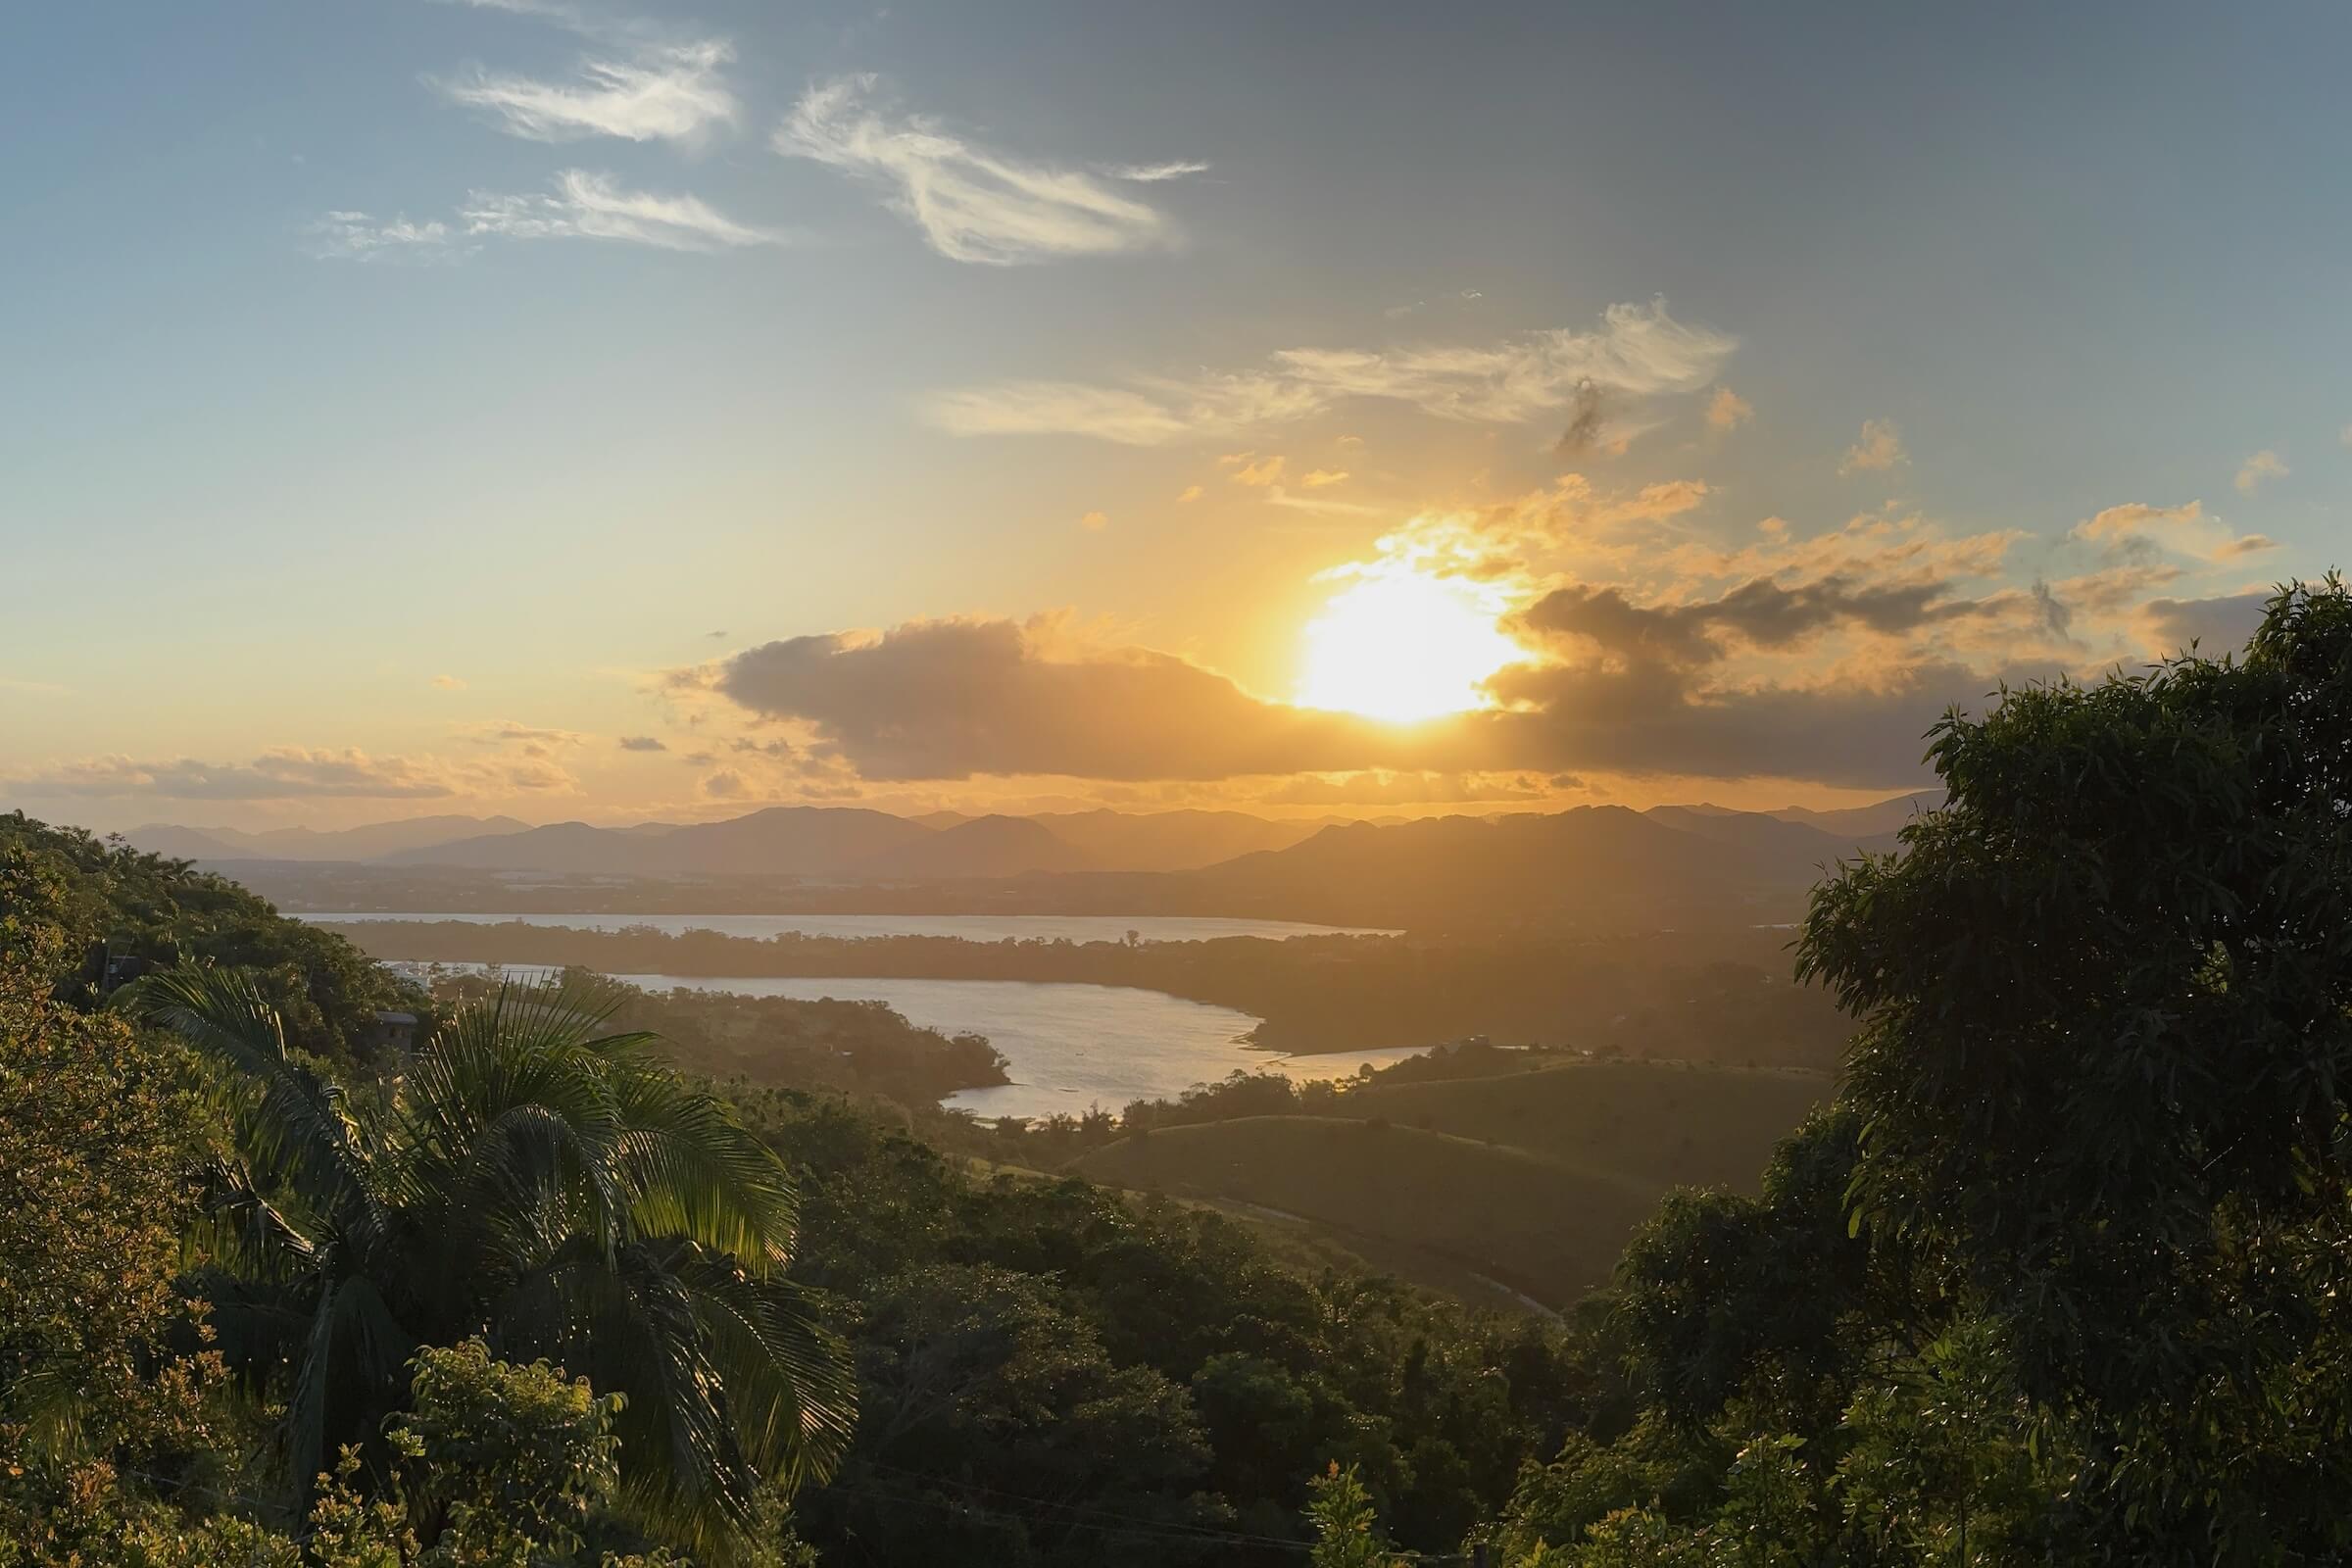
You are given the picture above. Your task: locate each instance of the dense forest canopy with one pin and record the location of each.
(2058, 1275)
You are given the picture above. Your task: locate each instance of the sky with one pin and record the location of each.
(666, 409)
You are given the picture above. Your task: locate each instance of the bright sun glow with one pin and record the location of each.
(1400, 646)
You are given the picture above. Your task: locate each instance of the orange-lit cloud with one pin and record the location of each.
(1727, 411)
(1638, 351)
(1881, 446)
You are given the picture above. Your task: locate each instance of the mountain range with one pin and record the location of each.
(1660, 862)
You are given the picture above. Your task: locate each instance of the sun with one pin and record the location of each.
(1400, 646)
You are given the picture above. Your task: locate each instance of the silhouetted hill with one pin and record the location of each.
(375, 839)
(1172, 841)
(1592, 862)
(364, 843)
(780, 841)
(1886, 817)
(985, 846)
(184, 843)
(1801, 844)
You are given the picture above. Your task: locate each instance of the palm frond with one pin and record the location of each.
(697, 1173)
(630, 1327)
(239, 1228)
(790, 1391)
(561, 1014)
(292, 1124)
(353, 1369)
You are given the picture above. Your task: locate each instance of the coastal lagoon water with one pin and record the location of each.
(970, 927)
(1067, 1047)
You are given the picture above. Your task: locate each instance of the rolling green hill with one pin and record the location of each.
(1531, 1182)
(1666, 1124)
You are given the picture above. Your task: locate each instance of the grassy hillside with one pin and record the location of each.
(1662, 1123)
(1535, 1224)
(1534, 1180)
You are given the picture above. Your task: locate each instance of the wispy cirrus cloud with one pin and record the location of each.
(973, 203)
(582, 204)
(669, 92)
(1155, 173)
(1637, 351)
(357, 236)
(585, 205)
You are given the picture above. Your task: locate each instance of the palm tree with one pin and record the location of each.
(533, 1180)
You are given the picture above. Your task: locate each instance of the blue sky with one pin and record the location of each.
(786, 324)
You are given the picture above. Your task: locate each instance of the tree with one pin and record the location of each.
(551, 1188)
(1347, 1529)
(94, 1133)
(2104, 1076)
(105, 898)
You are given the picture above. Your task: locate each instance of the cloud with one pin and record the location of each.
(1638, 351)
(727, 785)
(642, 743)
(1264, 471)
(1881, 446)
(508, 732)
(1317, 479)
(2134, 520)
(1094, 520)
(1190, 493)
(960, 699)
(2216, 625)
(952, 699)
(355, 237)
(287, 773)
(2138, 531)
(1378, 787)
(1727, 411)
(973, 203)
(670, 93)
(1331, 505)
(2259, 469)
(449, 683)
(1155, 173)
(1586, 420)
(1760, 613)
(2244, 545)
(591, 206)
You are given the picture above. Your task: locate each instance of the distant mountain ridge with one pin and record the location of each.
(1658, 861)
(366, 843)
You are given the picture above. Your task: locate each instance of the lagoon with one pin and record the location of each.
(1067, 1047)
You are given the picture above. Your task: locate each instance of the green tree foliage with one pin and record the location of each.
(498, 1466)
(2104, 1071)
(791, 1041)
(1766, 1300)
(2062, 1278)
(1347, 1529)
(94, 1133)
(510, 1461)
(1130, 1381)
(537, 1181)
(99, 895)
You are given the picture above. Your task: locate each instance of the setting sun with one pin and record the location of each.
(1402, 647)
